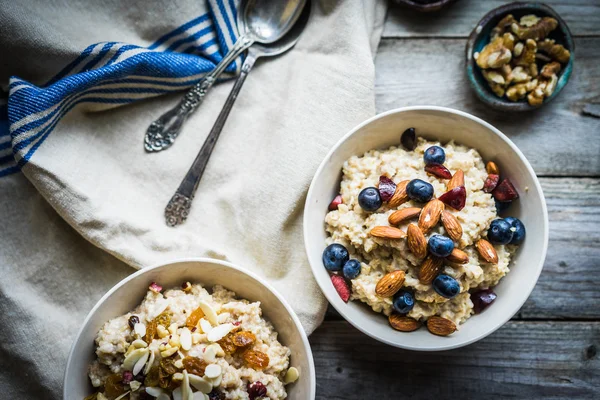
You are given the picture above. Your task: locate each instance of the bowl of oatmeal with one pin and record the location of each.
(191, 329)
(426, 228)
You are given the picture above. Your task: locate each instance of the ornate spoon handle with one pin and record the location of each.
(161, 134)
(178, 208)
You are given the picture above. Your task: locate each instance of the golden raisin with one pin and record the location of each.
(194, 365)
(194, 317)
(152, 378)
(163, 319)
(256, 359)
(227, 344)
(113, 386)
(243, 339)
(150, 331)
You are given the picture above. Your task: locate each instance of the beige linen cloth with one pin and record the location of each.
(92, 182)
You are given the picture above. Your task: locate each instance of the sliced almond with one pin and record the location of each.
(388, 232)
(200, 383)
(440, 326)
(133, 358)
(219, 332)
(457, 180)
(390, 284)
(400, 196)
(399, 216)
(185, 338)
(430, 268)
(212, 371)
(403, 323)
(139, 365)
(216, 381)
(139, 329)
(291, 376)
(210, 354)
(417, 244)
(458, 257)
(492, 168)
(169, 352)
(452, 226)
(150, 362)
(209, 312)
(205, 325)
(487, 251)
(430, 215)
(186, 390)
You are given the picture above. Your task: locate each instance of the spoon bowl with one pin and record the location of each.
(268, 20)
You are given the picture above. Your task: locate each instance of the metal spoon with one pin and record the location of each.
(178, 208)
(267, 21)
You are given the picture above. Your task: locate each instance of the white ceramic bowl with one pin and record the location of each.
(443, 124)
(128, 294)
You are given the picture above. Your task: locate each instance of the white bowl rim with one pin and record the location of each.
(502, 136)
(124, 281)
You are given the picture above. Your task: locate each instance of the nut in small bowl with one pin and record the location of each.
(519, 56)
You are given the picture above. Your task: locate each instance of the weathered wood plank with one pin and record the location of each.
(582, 17)
(525, 360)
(568, 285)
(557, 139)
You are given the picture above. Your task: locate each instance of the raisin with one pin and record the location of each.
(194, 317)
(256, 390)
(243, 339)
(152, 379)
(163, 319)
(113, 386)
(150, 331)
(134, 319)
(227, 344)
(194, 365)
(256, 359)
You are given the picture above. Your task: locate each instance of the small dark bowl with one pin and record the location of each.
(481, 36)
(426, 6)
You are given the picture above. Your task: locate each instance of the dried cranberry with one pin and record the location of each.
(490, 183)
(438, 170)
(455, 198)
(336, 202)
(134, 319)
(505, 191)
(256, 390)
(127, 377)
(409, 139)
(237, 323)
(482, 299)
(387, 188)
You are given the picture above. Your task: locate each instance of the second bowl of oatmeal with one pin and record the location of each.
(423, 232)
(191, 329)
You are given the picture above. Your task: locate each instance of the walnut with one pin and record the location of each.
(527, 56)
(529, 20)
(493, 76)
(550, 69)
(503, 26)
(533, 70)
(551, 85)
(496, 53)
(555, 51)
(518, 49)
(538, 31)
(519, 75)
(517, 92)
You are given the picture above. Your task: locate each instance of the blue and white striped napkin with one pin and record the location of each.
(110, 74)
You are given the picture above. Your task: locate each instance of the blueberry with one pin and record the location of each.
(351, 269)
(502, 206)
(369, 199)
(403, 302)
(519, 232)
(500, 232)
(446, 286)
(335, 256)
(440, 246)
(434, 155)
(419, 190)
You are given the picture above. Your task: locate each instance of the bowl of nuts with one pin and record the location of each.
(519, 56)
(426, 228)
(194, 328)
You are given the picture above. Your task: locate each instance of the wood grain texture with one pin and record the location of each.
(557, 139)
(525, 360)
(582, 17)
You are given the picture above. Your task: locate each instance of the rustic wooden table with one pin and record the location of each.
(549, 350)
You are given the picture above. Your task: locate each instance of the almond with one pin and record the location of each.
(400, 196)
(390, 284)
(402, 215)
(403, 323)
(388, 232)
(452, 226)
(487, 251)
(458, 257)
(492, 168)
(458, 179)
(440, 326)
(430, 268)
(417, 244)
(430, 215)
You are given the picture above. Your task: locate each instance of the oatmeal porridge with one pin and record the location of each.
(190, 344)
(415, 233)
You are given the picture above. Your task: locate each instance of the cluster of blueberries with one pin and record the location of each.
(502, 231)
